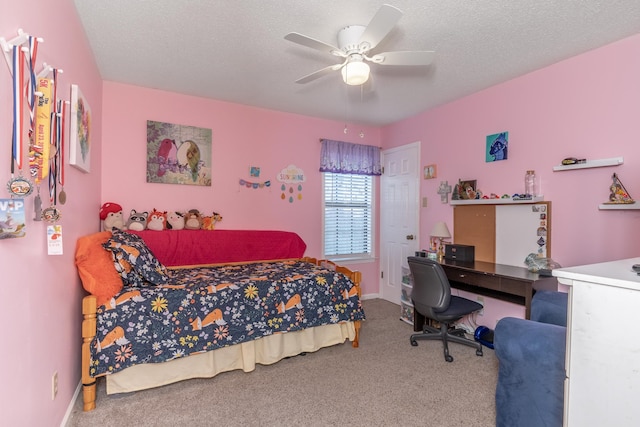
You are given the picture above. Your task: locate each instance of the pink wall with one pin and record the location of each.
(242, 137)
(41, 294)
(586, 106)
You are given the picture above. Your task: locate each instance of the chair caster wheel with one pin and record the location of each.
(448, 358)
(478, 352)
(413, 343)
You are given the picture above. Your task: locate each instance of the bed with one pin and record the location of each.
(153, 316)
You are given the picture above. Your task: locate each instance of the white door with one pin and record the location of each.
(399, 216)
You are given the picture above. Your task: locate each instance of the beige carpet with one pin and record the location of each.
(385, 382)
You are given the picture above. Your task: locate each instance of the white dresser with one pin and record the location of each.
(602, 387)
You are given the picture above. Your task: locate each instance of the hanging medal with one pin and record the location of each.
(18, 186)
(60, 126)
(52, 214)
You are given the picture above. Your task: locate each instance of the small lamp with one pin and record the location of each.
(355, 72)
(441, 231)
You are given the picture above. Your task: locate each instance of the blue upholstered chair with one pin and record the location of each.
(531, 353)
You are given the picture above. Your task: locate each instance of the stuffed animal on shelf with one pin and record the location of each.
(111, 216)
(193, 220)
(209, 222)
(175, 220)
(157, 220)
(137, 220)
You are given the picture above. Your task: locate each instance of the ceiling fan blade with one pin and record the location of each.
(411, 57)
(320, 73)
(313, 43)
(381, 25)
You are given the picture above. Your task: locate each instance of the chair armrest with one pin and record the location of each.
(549, 307)
(531, 374)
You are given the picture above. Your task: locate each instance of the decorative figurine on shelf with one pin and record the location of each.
(618, 194)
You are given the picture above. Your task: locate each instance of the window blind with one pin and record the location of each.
(347, 214)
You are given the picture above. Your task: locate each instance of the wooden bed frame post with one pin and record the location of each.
(89, 309)
(354, 276)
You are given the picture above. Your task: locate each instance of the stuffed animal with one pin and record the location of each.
(209, 222)
(193, 220)
(111, 216)
(157, 220)
(175, 220)
(137, 220)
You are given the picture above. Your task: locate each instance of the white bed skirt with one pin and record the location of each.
(265, 351)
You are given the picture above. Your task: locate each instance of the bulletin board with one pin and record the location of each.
(505, 233)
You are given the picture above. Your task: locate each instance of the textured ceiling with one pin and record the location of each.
(235, 50)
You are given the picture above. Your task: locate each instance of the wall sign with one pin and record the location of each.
(292, 178)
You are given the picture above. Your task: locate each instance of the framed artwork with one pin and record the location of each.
(178, 154)
(497, 147)
(80, 131)
(430, 171)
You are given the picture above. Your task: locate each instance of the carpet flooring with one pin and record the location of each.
(384, 382)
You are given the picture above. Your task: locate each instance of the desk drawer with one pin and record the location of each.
(486, 281)
(515, 287)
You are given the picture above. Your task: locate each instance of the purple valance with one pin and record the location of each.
(345, 157)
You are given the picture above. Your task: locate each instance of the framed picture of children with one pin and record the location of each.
(430, 171)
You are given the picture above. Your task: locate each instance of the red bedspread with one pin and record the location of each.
(191, 247)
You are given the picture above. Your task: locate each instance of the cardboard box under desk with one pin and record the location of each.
(464, 253)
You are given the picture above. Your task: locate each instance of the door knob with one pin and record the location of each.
(409, 236)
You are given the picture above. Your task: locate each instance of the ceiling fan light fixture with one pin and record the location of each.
(355, 73)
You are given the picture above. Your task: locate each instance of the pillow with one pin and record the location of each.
(134, 260)
(95, 267)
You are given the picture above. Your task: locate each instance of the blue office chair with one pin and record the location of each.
(431, 296)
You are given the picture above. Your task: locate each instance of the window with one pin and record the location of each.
(348, 215)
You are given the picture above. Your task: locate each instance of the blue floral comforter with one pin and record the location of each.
(206, 308)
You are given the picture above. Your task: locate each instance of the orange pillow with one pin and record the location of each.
(95, 267)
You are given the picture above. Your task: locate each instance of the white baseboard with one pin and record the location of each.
(67, 414)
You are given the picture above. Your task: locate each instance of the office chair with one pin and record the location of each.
(431, 296)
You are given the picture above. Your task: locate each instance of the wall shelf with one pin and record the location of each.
(619, 206)
(508, 201)
(614, 161)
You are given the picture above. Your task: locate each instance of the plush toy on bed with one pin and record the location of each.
(175, 220)
(111, 216)
(137, 220)
(193, 220)
(157, 220)
(209, 222)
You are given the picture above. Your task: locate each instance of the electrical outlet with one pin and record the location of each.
(424, 202)
(480, 301)
(54, 385)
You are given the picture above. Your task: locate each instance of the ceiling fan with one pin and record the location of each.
(355, 43)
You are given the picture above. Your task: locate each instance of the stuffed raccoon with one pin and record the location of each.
(137, 220)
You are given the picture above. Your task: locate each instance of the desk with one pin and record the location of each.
(499, 281)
